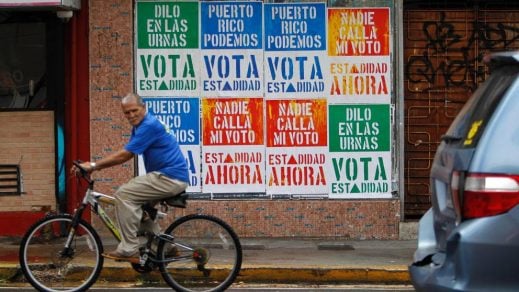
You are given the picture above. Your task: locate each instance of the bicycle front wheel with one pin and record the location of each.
(49, 266)
(203, 253)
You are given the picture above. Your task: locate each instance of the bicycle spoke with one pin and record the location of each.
(49, 265)
(207, 254)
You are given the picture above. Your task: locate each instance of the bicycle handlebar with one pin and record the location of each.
(84, 173)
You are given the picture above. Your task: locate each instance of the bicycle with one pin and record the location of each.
(63, 252)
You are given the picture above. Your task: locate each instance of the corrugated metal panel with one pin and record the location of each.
(443, 52)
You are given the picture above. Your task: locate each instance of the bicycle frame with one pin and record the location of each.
(92, 199)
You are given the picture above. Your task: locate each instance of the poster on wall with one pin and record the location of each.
(359, 48)
(233, 152)
(296, 147)
(232, 48)
(168, 55)
(295, 50)
(360, 151)
(181, 116)
(291, 98)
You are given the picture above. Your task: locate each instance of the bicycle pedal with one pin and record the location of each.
(143, 259)
(161, 215)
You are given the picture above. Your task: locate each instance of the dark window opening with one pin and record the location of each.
(28, 60)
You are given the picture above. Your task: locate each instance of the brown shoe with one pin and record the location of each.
(115, 255)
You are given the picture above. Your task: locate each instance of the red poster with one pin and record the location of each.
(232, 121)
(296, 123)
(358, 32)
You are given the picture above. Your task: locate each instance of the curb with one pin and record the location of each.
(9, 273)
(323, 275)
(396, 275)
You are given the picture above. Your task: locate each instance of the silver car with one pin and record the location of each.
(469, 239)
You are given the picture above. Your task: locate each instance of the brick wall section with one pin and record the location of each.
(111, 77)
(31, 135)
(305, 218)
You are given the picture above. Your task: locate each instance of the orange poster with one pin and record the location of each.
(296, 123)
(232, 121)
(358, 32)
(296, 146)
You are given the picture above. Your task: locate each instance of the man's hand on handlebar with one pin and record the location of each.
(78, 166)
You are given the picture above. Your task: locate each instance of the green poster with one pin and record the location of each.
(167, 25)
(359, 128)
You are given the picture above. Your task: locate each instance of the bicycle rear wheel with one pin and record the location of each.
(205, 255)
(49, 266)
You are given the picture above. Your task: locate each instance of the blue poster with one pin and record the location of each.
(295, 27)
(231, 25)
(295, 50)
(181, 115)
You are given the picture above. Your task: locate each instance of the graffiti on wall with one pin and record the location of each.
(459, 63)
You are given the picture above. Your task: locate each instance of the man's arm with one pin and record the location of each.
(116, 158)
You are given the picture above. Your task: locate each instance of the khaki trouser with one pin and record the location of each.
(128, 201)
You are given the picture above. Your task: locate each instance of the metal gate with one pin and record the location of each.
(443, 52)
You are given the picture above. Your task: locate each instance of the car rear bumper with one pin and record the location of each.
(480, 255)
(423, 279)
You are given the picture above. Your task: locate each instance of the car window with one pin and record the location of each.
(471, 121)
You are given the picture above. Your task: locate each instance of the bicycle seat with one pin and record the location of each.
(178, 201)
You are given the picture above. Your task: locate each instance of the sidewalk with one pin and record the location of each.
(317, 261)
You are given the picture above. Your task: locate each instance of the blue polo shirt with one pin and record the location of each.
(159, 148)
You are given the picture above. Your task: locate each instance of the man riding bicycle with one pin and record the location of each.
(166, 169)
